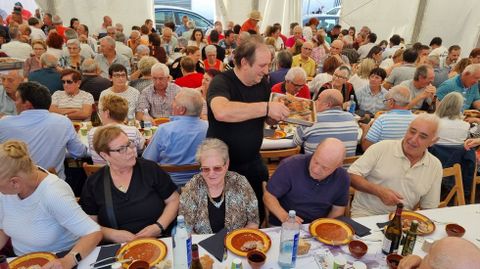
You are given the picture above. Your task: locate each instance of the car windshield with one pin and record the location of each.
(333, 11)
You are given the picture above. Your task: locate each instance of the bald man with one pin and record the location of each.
(336, 49)
(315, 186)
(304, 60)
(447, 253)
(394, 171)
(332, 121)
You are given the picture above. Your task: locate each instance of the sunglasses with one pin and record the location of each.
(216, 169)
(68, 81)
(123, 149)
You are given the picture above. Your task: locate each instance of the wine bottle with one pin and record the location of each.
(195, 258)
(410, 240)
(393, 232)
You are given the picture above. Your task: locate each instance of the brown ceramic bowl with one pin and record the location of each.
(393, 260)
(357, 248)
(453, 229)
(256, 259)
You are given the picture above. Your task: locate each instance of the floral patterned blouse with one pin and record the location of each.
(241, 205)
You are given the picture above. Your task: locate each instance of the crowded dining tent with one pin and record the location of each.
(265, 138)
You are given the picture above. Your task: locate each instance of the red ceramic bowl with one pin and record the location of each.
(453, 229)
(357, 248)
(393, 260)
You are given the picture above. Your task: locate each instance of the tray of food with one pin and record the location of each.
(10, 63)
(302, 111)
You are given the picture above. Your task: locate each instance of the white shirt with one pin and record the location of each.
(50, 219)
(37, 34)
(85, 50)
(364, 50)
(123, 49)
(452, 132)
(17, 49)
(131, 94)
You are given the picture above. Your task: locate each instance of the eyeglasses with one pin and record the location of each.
(160, 78)
(123, 149)
(120, 75)
(298, 86)
(68, 81)
(338, 76)
(389, 99)
(216, 169)
(307, 48)
(72, 48)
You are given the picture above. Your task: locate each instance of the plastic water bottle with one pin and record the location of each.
(353, 105)
(182, 245)
(147, 123)
(289, 242)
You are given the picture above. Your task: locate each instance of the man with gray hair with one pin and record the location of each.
(109, 56)
(394, 123)
(157, 98)
(92, 82)
(176, 142)
(16, 48)
(398, 171)
(295, 83)
(422, 91)
(48, 75)
(10, 81)
(332, 121)
(120, 46)
(441, 73)
(304, 60)
(466, 84)
(85, 50)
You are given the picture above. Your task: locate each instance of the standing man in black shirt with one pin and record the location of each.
(237, 108)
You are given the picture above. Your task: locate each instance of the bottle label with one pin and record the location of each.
(295, 247)
(189, 251)
(386, 245)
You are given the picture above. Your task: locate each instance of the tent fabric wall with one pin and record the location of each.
(91, 12)
(454, 23)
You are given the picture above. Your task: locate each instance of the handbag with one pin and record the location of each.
(107, 189)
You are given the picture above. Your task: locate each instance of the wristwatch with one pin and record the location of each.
(76, 257)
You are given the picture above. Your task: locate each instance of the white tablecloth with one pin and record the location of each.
(468, 216)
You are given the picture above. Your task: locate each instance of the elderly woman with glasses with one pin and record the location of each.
(73, 59)
(217, 198)
(340, 82)
(295, 83)
(72, 102)
(129, 197)
(39, 211)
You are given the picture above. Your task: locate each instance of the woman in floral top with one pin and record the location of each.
(217, 198)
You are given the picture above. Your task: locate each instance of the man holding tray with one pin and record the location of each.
(237, 108)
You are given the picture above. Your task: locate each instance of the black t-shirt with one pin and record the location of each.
(216, 216)
(176, 70)
(95, 85)
(243, 138)
(140, 206)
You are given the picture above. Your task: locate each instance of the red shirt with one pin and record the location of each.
(193, 80)
(248, 25)
(216, 66)
(303, 93)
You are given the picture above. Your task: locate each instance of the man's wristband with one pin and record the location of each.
(162, 230)
(266, 115)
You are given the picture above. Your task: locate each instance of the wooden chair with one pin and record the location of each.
(457, 189)
(348, 208)
(475, 182)
(170, 168)
(90, 169)
(277, 154)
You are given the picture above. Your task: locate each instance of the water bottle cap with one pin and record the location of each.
(292, 213)
(180, 218)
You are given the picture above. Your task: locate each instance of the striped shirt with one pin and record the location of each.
(369, 102)
(131, 94)
(132, 133)
(330, 123)
(63, 100)
(391, 125)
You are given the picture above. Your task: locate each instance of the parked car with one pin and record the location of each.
(327, 20)
(165, 14)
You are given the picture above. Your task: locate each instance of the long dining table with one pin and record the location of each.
(467, 216)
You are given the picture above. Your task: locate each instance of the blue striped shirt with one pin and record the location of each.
(391, 125)
(369, 102)
(330, 123)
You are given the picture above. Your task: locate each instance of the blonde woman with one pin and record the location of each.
(39, 210)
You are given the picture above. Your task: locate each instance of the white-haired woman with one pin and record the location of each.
(144, 67)
(73, 60)
(212, 62)
(217, 198)
(452, 129)
(39, 210)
